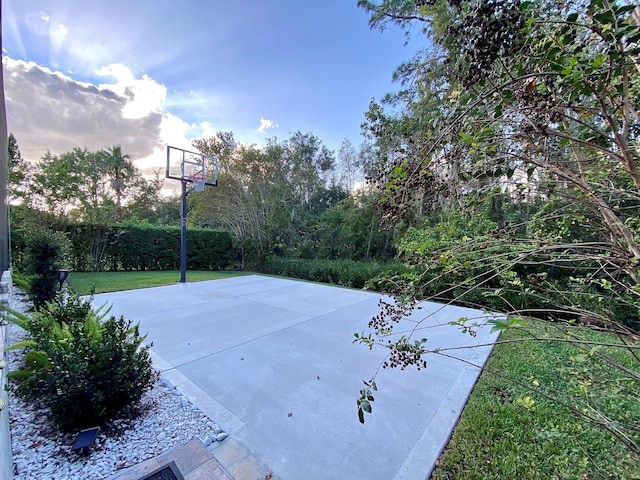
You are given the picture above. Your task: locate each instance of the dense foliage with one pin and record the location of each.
(348, 273)
(97, 247)
(83, 365)
(525, 115)
(43, 254)
(89, 186)
(145, 247)
(511, 152)
(293, 199)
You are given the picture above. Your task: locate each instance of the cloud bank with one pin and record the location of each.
(49, 110)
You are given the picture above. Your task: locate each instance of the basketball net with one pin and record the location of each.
(198, 180)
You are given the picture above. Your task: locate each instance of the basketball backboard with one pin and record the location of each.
(193, 167)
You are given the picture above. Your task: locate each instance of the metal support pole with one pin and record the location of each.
(4, 167)
(183, 234)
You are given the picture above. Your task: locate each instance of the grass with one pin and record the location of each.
(102, 282)
(513, 428)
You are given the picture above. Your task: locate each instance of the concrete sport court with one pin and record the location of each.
(272, 362)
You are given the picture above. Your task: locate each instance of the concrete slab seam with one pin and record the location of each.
(312, 316)
(197, 358)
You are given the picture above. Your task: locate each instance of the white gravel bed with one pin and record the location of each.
(167, 419)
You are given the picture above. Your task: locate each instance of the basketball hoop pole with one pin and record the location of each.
(183, 230)
(183, 233)
(191, 168)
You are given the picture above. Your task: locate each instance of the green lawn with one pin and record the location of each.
(103, 282)
(512, 428)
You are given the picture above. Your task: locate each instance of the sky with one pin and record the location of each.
(145, 74)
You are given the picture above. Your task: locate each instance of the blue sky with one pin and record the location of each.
(143, 74)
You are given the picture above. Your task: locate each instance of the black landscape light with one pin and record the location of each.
(85, 439)
(62, 276)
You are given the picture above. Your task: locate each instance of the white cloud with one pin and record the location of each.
(58, 34)
(266, 124)
(145, 94)
(118, 71)
(48, 110)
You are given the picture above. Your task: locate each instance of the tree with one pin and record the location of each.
(222, 146)
(146, 202)
(58, 181)
(94, 200)
(245, 199)
(523, 102)
(348, 164)
(18, 171)
(120, 171)
(536, 102)
(91, 186)
(351, 229)
(266, 196)
(309, 164)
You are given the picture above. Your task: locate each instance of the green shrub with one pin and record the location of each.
(20, 280)
(348, 273)
(124, 247)
(45, 251)
(25, 223)
(476, 264)
(68, 307)
(85, 369)
(147, 247)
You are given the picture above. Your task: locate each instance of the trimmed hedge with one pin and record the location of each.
(348, 273)
(144, 247)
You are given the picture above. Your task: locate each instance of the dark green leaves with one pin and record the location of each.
(366, 397)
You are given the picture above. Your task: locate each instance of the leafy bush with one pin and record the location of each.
(45, 250)
(25, 224)
(86, 368)
(68, 307)
(477, 264)
(349, 273)
(20, 280)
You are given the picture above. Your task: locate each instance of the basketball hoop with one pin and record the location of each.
(199, 170)
(198, 180)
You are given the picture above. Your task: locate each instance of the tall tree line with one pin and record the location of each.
(520, 102)
(292, 197)
(99, 187)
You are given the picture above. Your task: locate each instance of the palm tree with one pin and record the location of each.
(120, 170)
